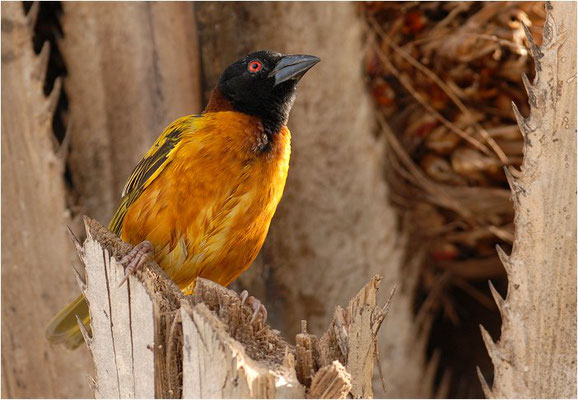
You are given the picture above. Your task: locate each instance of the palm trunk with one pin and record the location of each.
(536, 354)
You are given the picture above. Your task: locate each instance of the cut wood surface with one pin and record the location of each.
(148, 340)
(36, 274)
(536, 353)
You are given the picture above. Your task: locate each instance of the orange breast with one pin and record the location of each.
(208, 212)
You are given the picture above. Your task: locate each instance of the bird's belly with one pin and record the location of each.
(214, 234)
(220, 253)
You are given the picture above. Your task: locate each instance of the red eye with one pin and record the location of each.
(255, 66)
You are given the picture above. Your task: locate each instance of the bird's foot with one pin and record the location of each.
(255, 304)
(136, 258)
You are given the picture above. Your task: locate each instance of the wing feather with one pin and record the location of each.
(149, 167)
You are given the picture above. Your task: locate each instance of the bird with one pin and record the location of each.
(200, 201)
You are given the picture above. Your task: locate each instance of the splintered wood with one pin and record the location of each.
(217, 364)
(130, 361)
(129, 306)
(331, 382)
(148, 340)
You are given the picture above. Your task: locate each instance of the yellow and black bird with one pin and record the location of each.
(201, 200)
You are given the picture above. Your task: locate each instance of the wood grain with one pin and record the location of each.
(536, 353)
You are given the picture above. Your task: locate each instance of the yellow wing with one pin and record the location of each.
(151, 165)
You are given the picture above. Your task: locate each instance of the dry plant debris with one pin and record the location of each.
(443, 76)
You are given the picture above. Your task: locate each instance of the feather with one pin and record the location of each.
(151, 165)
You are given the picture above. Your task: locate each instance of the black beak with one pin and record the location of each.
(292, 67)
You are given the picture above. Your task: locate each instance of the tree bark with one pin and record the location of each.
(36, 253)
(334, 228)
(536, 354)
(133, 68)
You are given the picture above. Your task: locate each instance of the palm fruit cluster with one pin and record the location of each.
(443, 76)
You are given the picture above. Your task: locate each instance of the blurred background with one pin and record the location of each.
(400, 136)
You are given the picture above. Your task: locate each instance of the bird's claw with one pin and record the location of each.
(136, 259)
(255, 304)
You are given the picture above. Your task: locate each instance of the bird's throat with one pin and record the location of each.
(271, 122)
(218, 102)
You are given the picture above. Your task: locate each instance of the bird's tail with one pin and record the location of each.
(64, 329)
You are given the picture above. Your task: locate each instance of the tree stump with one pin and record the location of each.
(149, 340)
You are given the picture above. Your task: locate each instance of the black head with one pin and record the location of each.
(263, 84)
